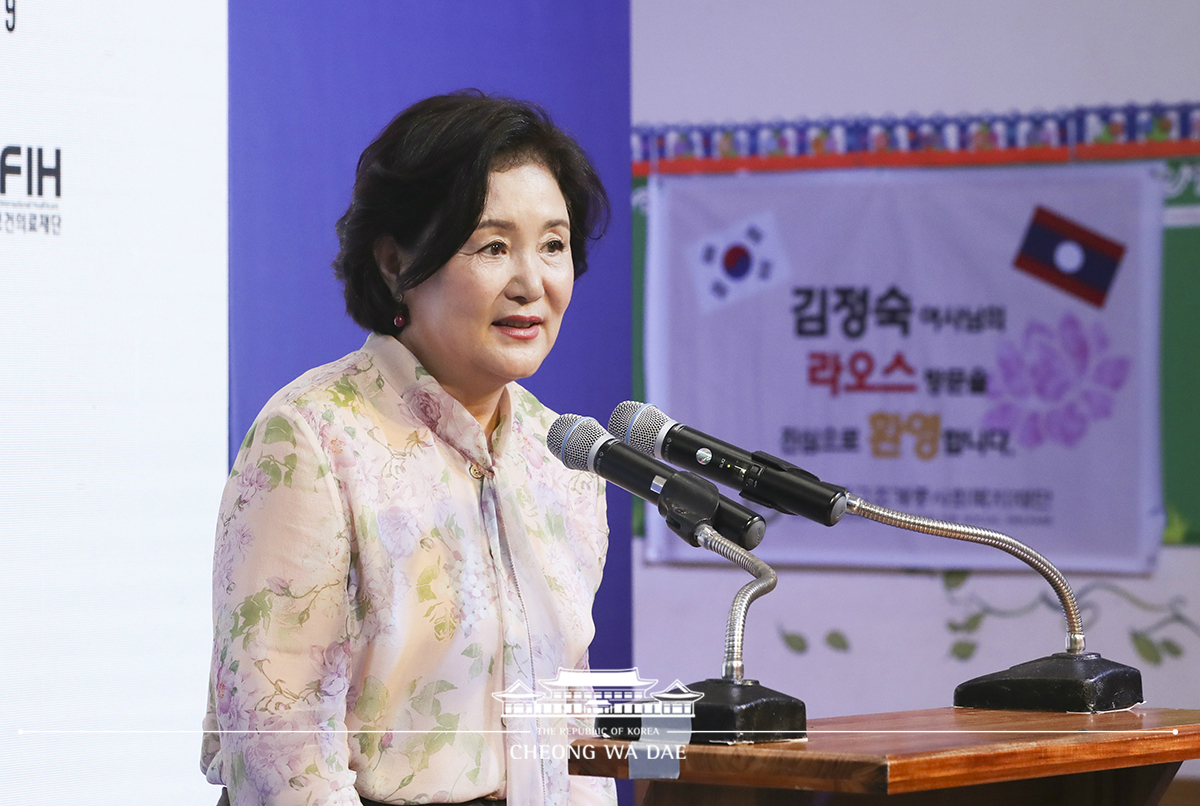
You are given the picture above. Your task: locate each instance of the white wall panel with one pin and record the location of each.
(700, 61)
(113, 351)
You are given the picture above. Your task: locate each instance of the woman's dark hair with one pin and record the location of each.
(424, 182)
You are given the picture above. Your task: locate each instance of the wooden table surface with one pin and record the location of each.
(912, 751)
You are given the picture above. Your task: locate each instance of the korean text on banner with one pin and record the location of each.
(975, 345)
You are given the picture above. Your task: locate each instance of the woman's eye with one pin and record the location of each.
(556, 245)
(495, 248)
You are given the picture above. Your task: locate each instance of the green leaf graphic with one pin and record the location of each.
(970, 625)
(1175, 532)
(954, 579)
(249, 438)
(368, 743)
(794, 641)
(271, 468)
(836, 640)
(963, 650)
(278, 430)
(1146, 647)
(371, 701)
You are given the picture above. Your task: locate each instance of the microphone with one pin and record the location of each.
(581, 443)
(758, 476)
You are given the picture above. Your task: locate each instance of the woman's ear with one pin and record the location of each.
(391, 260)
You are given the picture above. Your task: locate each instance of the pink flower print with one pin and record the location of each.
(470, 578)
(256, 647)
(1074, 343)
(239, 538)
(231, 546)
(534, 458)
(224, 689)
(1012, 369)
(1099, 404)
(271, 758)
(333, 664)
(1029, 432)
(426, 408)
(251, 482)
(398, 530)
(341, 454)
(450, 421)
(1071, 378)
(330, 742)
(1037, 330)
(1049, 373)
(1066, 425)
(418, 499)
(278, 586)
(1003, 417)
(1111, 373)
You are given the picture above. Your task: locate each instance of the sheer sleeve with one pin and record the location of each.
(284, 620)
(589, 790)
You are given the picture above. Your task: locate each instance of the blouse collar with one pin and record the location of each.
(434, 407)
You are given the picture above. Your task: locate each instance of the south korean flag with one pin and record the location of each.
(738, 262)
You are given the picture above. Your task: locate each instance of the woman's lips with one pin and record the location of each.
(519, 327)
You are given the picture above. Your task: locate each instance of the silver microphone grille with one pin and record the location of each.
(573, 438)
(639, 425)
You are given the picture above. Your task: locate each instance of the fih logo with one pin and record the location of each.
(34, 169)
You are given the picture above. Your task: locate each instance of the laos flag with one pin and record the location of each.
(1069, 256)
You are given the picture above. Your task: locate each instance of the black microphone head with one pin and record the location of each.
(641, 426)
(575, 440)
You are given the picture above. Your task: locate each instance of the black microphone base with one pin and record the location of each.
(742, 712)
(1082, 683)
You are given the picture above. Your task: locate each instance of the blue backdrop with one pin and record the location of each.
(311, 84)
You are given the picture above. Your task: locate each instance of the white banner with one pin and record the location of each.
(113, 340)
(976, 345)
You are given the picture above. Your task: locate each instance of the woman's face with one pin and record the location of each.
(492, 313)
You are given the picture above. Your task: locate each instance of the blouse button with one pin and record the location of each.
(476, 472)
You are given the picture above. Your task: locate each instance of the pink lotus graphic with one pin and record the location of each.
(1055, 383)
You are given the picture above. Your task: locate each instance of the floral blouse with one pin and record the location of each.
(380, 573)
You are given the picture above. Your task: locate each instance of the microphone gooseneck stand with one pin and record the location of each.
(1073, 680)
(764, 582)
(988, 537)
(733, 709)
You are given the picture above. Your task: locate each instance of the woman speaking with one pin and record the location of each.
(396, 544)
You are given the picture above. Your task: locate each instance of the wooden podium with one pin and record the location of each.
(941, 756)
